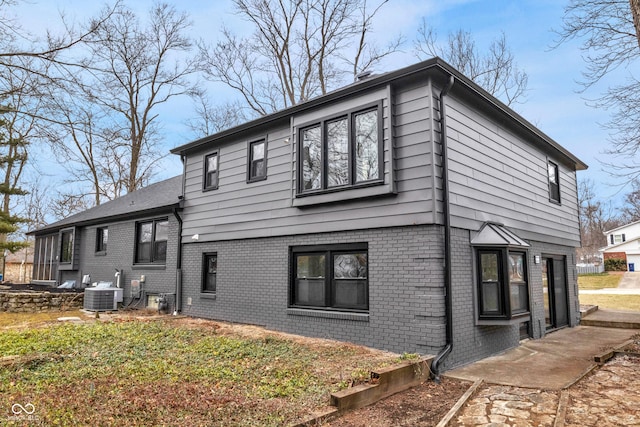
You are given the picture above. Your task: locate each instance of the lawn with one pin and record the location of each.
(599, 280)
(614, 302)
(172, 372)
(602, 281)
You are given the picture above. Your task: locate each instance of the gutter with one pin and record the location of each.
(437, 361)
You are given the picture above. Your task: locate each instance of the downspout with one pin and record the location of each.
(437, 361)
(178, 306)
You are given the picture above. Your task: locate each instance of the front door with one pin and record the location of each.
(554, 285)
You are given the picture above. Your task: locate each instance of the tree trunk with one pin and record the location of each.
(635, 11)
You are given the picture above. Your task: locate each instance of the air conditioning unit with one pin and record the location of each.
(102, 299)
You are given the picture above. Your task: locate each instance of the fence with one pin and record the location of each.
(591, 269)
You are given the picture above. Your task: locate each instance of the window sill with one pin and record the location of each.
(149, 267)
(342, 194)
(208, 295)
(256, 179)
(516, 319)
(343, 315)
(101, 253)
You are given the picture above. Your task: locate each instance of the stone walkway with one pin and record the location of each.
(610, 396)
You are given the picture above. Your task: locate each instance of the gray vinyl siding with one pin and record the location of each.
(497, 175)
(238, 209)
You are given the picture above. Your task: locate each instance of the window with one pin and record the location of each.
(554, 182)
(330, 277)
(210, 172)
(257, 162)
(66, 246)
(151, 241)
(341, 152)
(617, 238)
(503, 291)
(210, 269)
(102, 237)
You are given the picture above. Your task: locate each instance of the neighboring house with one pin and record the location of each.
(18, 266)
(135, 235)
(624, 243)
(347, 217)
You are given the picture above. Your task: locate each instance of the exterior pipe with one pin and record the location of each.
(178, 306)
(437, 361)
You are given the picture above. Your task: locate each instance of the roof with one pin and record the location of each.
(492, 234)
(161, 195)
(435, 67)
(621, 227)
(24, 254)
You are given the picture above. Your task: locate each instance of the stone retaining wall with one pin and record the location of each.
(34, 302)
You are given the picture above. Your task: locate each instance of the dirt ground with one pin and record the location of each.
(421, 406)
(610, 395)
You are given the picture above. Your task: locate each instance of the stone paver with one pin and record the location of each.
(498, 406)
(610, 396)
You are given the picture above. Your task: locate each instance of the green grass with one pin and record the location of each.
(617, 302)
(165, 373)
(598, 281)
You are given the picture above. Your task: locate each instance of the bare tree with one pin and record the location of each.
(212, 118)
(635, 12)
(108, 110)
(610, 36)
(299, 49)
(495, 71)
(16, 42)
(595, 217)
(631, 206)
(17, 130)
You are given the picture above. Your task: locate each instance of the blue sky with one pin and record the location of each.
(552, 102)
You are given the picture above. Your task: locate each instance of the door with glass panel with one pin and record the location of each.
(554, 286)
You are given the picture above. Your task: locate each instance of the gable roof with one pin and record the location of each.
(434, 67)
(622, 227)
(161, 196)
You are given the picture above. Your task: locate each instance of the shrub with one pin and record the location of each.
(615, 264)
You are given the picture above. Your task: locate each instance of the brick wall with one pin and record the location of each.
(120, 255)
(406, 299)
(473, 342)
(615, 255)
(17, 272)
(406, 293)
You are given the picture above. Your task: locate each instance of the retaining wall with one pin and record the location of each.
(34, 302)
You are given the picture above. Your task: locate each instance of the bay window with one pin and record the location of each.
(503, 291)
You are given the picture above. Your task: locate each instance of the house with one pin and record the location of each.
(624, 243)
(409, 211)
(135, 235)
(18, 266)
